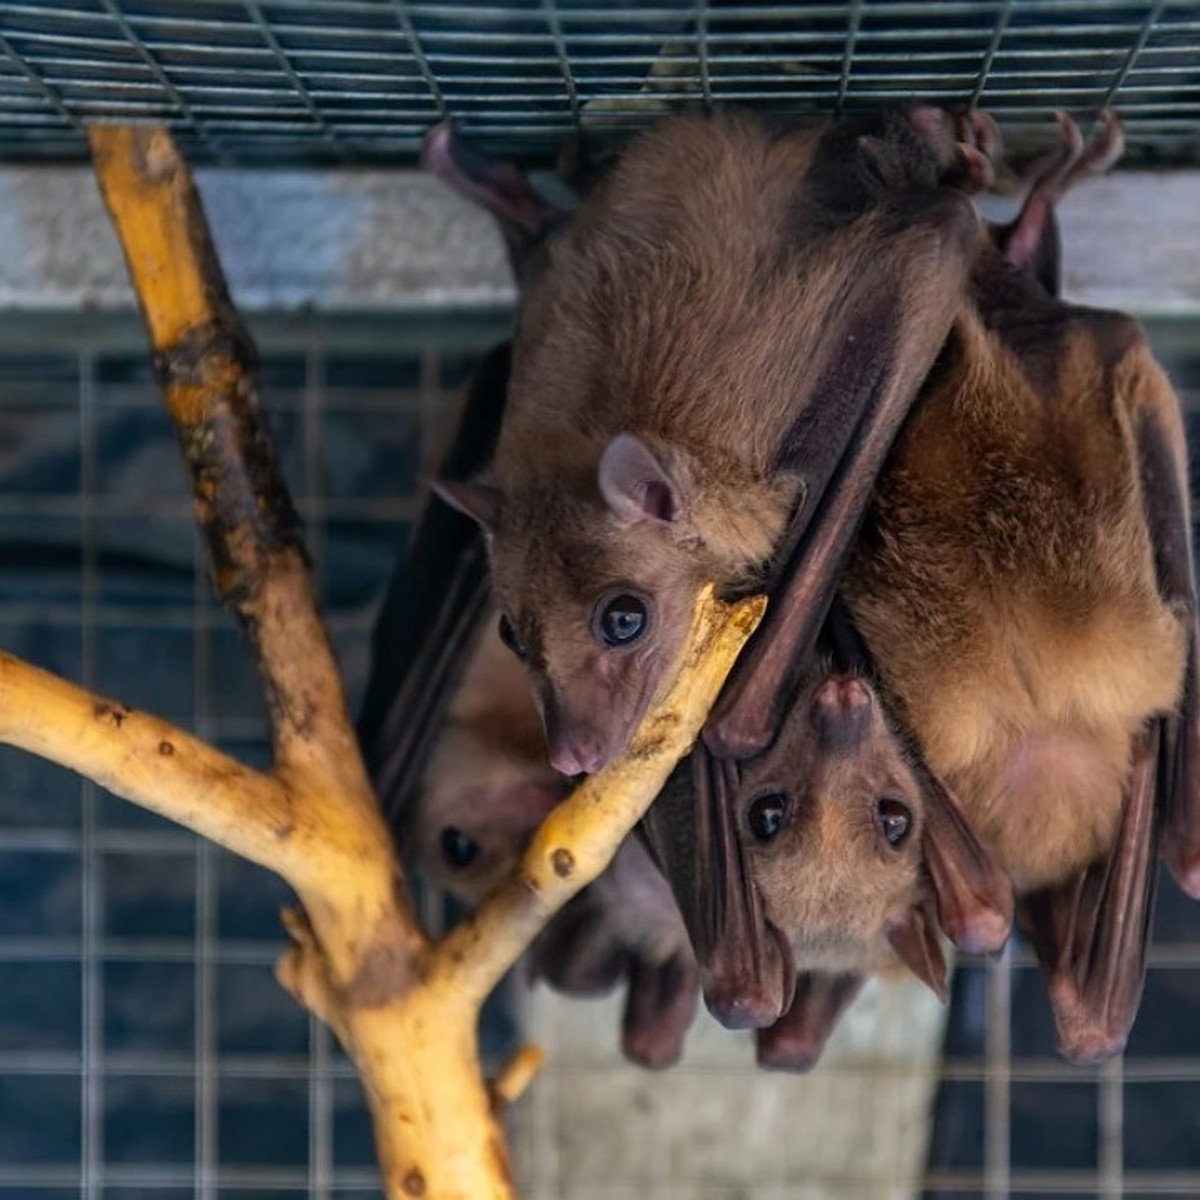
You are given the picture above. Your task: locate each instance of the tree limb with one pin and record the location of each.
(405, 1010)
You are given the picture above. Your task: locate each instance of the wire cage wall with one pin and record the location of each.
(326, 81)
(144, 1048)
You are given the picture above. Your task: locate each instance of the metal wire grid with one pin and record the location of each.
(362, 80)
(144, 1048)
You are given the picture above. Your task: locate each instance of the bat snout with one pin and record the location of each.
(579, 756)
(841, 709)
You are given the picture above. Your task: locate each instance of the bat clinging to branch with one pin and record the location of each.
(731, 307)
(1024, 582)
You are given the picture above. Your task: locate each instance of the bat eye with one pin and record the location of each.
(621, 619)
(458, 849)
(765, 817)
(508, 635)
(895, 821)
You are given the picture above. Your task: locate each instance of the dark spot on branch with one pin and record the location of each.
(166, 749)
(563, 862)
(111, 714)
(414, 1183)
(284, 832)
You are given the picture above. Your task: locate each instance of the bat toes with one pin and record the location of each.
(653, 1048)
(1088, 1033)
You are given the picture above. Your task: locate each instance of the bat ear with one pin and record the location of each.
(475, 500)
(915, 941)
(634, 484)
(974, 895)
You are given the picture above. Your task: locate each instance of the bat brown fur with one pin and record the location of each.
(484, 793)
(667, 382)
(1008, 584)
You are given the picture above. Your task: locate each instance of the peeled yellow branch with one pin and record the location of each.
(405, 1010)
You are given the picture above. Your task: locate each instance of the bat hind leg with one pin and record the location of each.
(1090, 933)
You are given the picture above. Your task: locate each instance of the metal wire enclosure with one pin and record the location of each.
(326, 81)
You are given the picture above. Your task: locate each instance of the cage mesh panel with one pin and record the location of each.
(362, 80)
(144, 1046)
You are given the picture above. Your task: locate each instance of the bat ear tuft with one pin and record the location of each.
(634, 484)
(475, 500)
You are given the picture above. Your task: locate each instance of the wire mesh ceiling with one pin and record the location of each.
(319, 81)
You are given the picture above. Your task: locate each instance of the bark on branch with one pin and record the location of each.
(405, 1009)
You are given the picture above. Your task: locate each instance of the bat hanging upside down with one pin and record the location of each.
(1024, 585)
(484, 793)
(799, 285)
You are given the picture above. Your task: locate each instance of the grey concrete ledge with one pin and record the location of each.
(388, 241)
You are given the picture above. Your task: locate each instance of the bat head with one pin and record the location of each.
(831, 819)
(597, 602)
(480, 803)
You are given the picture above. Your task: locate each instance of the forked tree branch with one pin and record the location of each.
(405, 1009)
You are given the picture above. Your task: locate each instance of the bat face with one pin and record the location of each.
(831, 820)
(480, 803)
(623, 589)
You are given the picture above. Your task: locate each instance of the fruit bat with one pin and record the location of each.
(734, 321)
(853, 216)
(452, 737)
(485, 791)
(1024, 585)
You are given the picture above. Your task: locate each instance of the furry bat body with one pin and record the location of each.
(1024, 582)
(485, 791)
(451, 733)
(733, 310)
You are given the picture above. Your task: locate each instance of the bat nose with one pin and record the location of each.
(840, 707)
(577, 756)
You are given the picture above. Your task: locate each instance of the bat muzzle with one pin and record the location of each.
(841, 713)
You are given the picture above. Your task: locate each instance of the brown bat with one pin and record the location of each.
(451, 732)
(486, 789)
(1024, 580)
(844, 218)
(736, 313)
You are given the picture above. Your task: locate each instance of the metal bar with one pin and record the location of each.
(550, 8)
(702, 51)
(1134, 50)
(853, 20)
(111, 6)
(400, 8)
(989, 54)
(92, 994)
(49, 93)
(285, 65)
(997, 1173)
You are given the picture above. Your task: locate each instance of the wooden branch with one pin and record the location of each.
(406, 1011)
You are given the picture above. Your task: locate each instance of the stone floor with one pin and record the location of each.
(717, 1128)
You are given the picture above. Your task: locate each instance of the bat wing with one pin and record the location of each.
(1091, 933)
(795, 1041)
(746, 965)
(433, 609)
(838, 446)
(660, 1005)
